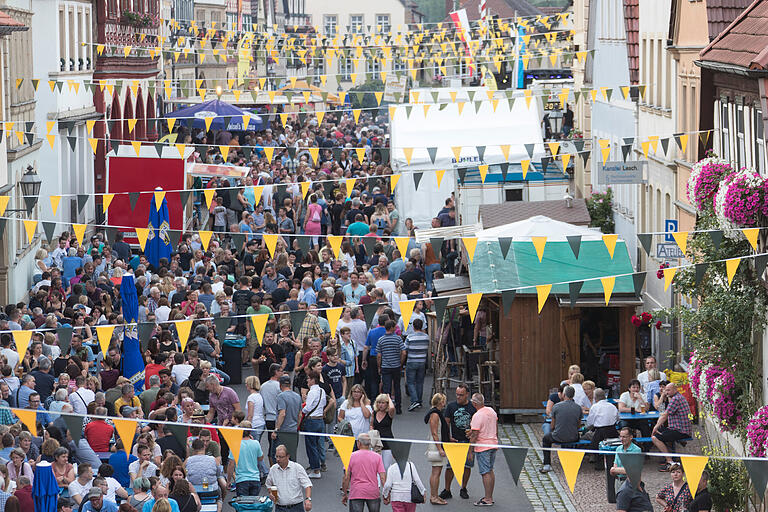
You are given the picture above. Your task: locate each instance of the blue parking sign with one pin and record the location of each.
(670, 226)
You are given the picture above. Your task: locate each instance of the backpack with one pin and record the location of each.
(343, 428)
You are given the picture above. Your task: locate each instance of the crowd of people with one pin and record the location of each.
(305, 378)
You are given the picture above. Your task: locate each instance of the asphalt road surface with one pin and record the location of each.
(326, 491)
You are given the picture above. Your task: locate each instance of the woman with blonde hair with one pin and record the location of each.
(357, 410)
(255, 406)
(162, 505)
(439, 433)
(381, 421)
(37, 274)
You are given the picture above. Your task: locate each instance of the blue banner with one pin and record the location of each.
(132, 360)
(159, 240)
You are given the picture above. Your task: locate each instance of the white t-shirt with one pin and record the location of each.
(257, 420)
(354, 415)
(386, 285)
(76, 488)
(151, 469)
(645, 379)
(80, 400)
(580, 397)
(112, 486)
(181, 372)
(162, 313)
(12, 356)
(626, 400)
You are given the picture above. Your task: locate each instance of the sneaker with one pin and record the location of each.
(446, 494)
(413, 407)
(315, 474)
(323, 467)
(463, 493)
(546, 468)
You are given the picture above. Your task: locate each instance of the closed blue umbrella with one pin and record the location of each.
(45, 490)
(220, 111)
(133, 363)
(159, 240)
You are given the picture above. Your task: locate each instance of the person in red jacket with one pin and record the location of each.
(98, 432)
(24, 493)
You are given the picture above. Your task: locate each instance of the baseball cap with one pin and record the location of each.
(285, 379)
(127, 409)
(95, 492)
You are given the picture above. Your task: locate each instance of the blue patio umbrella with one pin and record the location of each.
(220, 111)
(45, 490)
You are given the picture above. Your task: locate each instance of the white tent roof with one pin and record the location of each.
(539, 225)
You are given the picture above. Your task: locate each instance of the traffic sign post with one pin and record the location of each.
(670, 226)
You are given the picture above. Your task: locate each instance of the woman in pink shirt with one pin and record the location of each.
(313, 218)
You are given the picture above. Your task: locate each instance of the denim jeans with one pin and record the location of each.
(248, 488)
(390, 377)
(414, 378)
(263, 463)
(428, 271)
(313, 443)
(358, 505)
(546, 428)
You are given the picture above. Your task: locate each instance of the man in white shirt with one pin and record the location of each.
(384, 283)
(603, 417)
(143, 466)
(180, 370)
(313, 422)
(650, 363)
(294, 488)
(81, 397)
(80, 486)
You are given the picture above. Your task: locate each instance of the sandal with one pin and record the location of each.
(437, 501)
(482, 503)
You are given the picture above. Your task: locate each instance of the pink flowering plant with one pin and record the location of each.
(757, 433)
(706, 176)
(715, 388)
(739, 201)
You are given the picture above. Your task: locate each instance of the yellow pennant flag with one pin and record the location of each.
(94, 144)
(131, 125)
(30, 226)
(456, 152)
(79, 230)
(22, 341)
(350, 184)
(208, 193)
(483, 168)
(205, 238)
(270, 240)
(694, 465)
(4, 203)
(439, 175)
(669, 275)
(356, 114)
(136, 146)
(393, 181)
(683, 142)
(283, 119)
(142, 234)
(55, 200)
(402, 245)
(224, 152)
(408, 153)
(608, 284)
(610, 243)
(333, 315)
(171, 121)
(505, 150)
(320, 115)
(305, 185)
(106, 200)
(104, 335)
(406, 310)
(159, 196)
(257, 191)
(392, 111)
(473, 301)
(554, 147)
(181, 148)
(731, 265)
(360, 152)
(51, 140)
(335, 241)
(751, 234)
(259, 323)
(233, 437)
(344, 445)
(183, 328)
(126, 429)
(88, 124)
(528, 97)
(315, 154)
(542, 291)
(646, 147)
(28, 417)
(566, 157)
(539, 242)
(379, 96)
(606, 153)
(208, 121)
(470, 244)
(457, 456)
(681, 237)
(571, 462)
(460, 106)
(525, 164)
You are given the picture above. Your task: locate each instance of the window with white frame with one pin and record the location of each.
(356, 23)
(399, 65)
(759, 133)
(373, 69)
(741, 149)
(383, 23)
(725, 130)
(346, 68)
(330, 24)
(231, 21)
(247, 23)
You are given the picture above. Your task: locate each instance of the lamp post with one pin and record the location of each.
(30, 190)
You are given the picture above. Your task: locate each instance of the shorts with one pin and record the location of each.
(485, 460)
(667, 435)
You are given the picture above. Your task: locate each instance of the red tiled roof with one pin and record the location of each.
(8, 24)
(721, 13)
(500, 8)
(632, 26)
(744, 42)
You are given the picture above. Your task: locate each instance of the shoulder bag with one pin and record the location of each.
(416, 495)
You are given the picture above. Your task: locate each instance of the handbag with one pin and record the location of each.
(416, 495)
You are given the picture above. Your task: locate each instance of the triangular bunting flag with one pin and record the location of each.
(344, 446)
(142, 234)
(470, 244)
(48, 229)
(731, 265)
(539, 242)
(270, 240)
(126, 430)
(183, 328)
(104, 335)
(473, 301)
(29, 418)
(457, 457)
(205, 238)
(515, 458)
(259, 323)
(758, 473)
(400, 451)
(335, 241)
(30, 226)
(233, 438)
(681, 238)
(574, 289)
(333, 315)
(406, 310)
(417, 179)
(575, 242)
(504, 243)
(571, 462)
(751, 234)
(700, 270)
(542, 292)
(717, 237)
(633, 464)
(55, 200)
(638, 280)
(693, 467)
(507, 297)
(21, 338)
(610, 243)
(608, 284)
(75, 426)
(645, 241)
(669, 276)
(133, 198)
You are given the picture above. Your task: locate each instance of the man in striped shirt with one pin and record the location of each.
(390, 358)
(417, 348)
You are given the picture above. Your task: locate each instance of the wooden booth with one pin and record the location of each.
(532, 350)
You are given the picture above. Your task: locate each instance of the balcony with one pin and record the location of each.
(121, 33)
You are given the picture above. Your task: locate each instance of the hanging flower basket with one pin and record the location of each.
(706, 176)
(757, 433)
(739, 201)
(715, 388)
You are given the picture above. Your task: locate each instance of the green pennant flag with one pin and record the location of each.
(144, 330)
(574, 289)
(82, 199)
(64, 334)
(516, 460)
(504, 244)
(175, 236)
(297, 319)
(400, 452)
(638, 280)
(507, 297)
(440, 304)
(74, 426)
(575, 242)
(369, 311)
(134, 198)
(645, 241)
(48, 229)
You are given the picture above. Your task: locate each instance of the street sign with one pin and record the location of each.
(394, 85)
(670, 226)
(669, 252)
